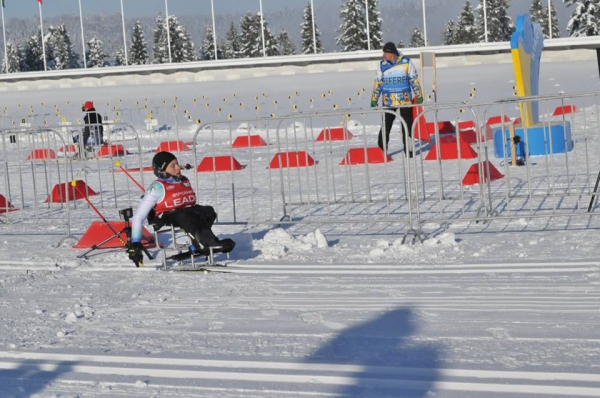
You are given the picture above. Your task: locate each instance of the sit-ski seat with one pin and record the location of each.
(160, 227)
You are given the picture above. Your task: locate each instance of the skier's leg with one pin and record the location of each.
(407, 115)
(388, 122)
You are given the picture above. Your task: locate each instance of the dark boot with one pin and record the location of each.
(226, 245)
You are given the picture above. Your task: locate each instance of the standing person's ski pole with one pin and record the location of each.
(594, 193)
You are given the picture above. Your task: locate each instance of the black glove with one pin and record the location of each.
(135, 251)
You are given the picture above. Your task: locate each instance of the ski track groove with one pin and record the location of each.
(286, 373)
(424, 288)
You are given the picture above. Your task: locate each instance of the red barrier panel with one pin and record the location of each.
(564, 110)
(497, 120)
(371, 155)
(219, 163)
(466, 124)
(68, 149)
(41, 154)
(245, 141)
(291, 159)
(468, 136)
(472, 177)
(59, 192)
(98, 232)
(5, 205)
(172, 146)
(111, 150)
(448, 151)
(334, 134)
(443, 127)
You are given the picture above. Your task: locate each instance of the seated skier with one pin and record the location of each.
(171, 200)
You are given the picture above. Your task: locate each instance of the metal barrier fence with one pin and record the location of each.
(39, 164)
(325, 167)
(447, 180)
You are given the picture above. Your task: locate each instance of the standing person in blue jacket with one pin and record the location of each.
(398, 82)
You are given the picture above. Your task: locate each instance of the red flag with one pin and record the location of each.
(40, 1)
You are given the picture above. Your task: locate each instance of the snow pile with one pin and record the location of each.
(279, 243)
(431, 247)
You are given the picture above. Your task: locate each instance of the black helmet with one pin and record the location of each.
(160, 162)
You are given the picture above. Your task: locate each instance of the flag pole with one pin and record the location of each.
(314, 30)
(368, 27)
(82, 36)
(425, 24)
(124, 33)
(485, 27)
(212, 10)
(4, 35)
(262, 29)
(42, 33)
(168, 30)
(549, 19)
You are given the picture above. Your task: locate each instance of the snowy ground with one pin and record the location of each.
(501, 309)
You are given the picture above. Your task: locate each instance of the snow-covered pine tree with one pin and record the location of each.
(14, 60)
(189, 47)
(231, 45)
(160, 51)
(177, 42)
(536, 12)
(138, 50)
(554, 19)
(585, 20)
(119, 58)
(182, 47)
(59, 43)
(466, 29)
(208, 44)
(286, 46)
(33, 58)
(448, 35)
(400, 44)
(353, 30)
(271, 43)
(306, 33)
(499, 24)
(250, 38)
(417, 40)
(96, 58)
(374, 25)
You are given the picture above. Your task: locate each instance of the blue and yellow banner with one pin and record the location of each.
(527, 43)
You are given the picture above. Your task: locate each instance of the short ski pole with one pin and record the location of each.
(118, 164)
(74, 184)
(594, 193)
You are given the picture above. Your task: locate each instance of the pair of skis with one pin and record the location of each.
(205, 267)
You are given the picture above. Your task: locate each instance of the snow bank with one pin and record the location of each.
(432, 247)
(279, 243)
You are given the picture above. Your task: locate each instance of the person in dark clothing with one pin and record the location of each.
(92, 125)
(173, 201)
(398, 83)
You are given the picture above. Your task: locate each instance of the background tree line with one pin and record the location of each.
(242, 38)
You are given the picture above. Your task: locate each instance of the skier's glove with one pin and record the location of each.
(135, 251)
(419, 100)
(373, 104)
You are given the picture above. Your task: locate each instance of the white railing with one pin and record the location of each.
(294, 60)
